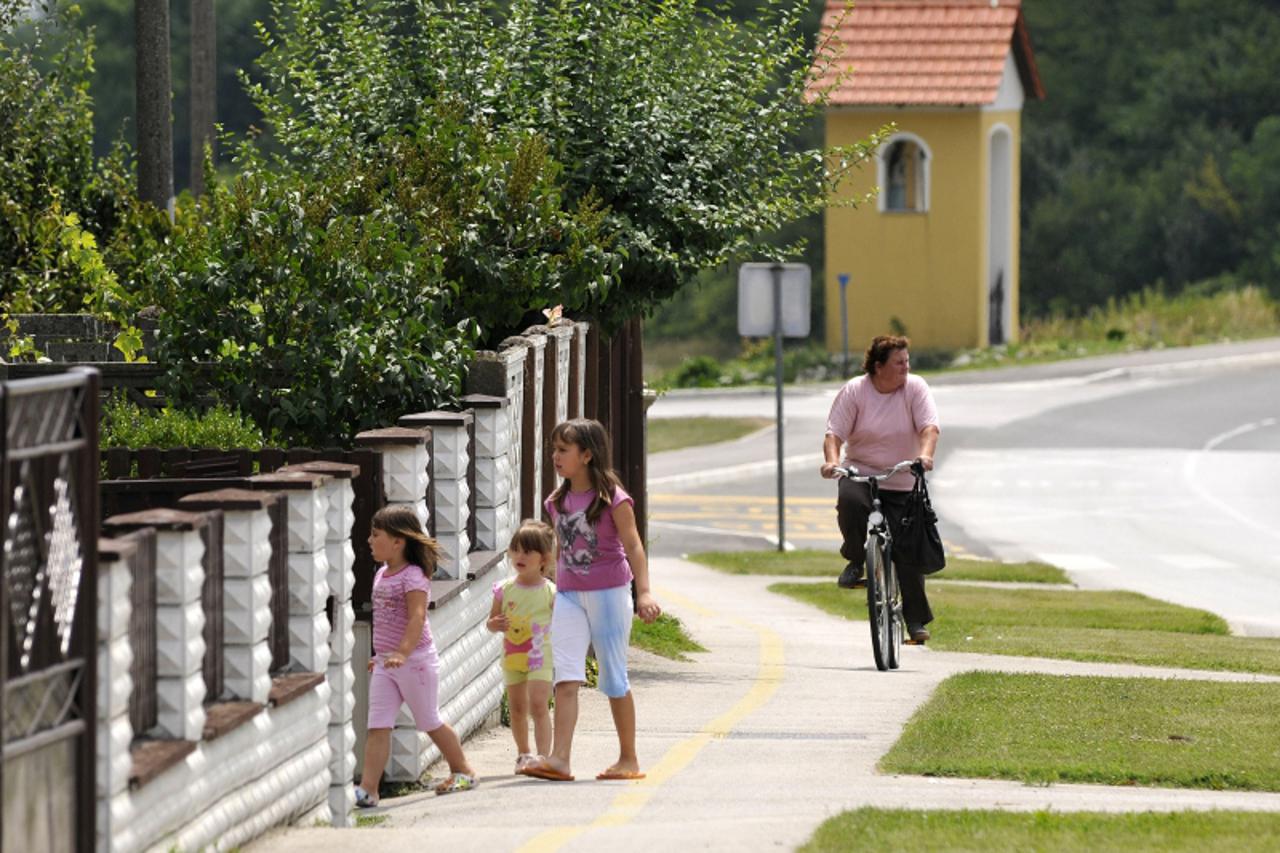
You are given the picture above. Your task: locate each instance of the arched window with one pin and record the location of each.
(903, 166)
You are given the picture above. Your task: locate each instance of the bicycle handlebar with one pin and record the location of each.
(851, 473)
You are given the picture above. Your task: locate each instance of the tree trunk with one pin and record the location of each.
(155, 131)
(204, 91)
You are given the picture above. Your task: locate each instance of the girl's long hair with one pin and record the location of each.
(536, 536)
(590, 436)
(402, 522)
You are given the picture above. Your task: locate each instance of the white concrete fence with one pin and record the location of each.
(232, 695)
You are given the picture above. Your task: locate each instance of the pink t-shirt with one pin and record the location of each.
(591, 556)
(391, 608)
(881, 430)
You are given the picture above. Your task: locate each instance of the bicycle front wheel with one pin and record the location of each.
(878, 612)
(893, 613)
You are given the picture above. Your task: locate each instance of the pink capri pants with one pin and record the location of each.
(415, 683)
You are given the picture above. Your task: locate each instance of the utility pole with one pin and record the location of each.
(204, 88)
(155, 132)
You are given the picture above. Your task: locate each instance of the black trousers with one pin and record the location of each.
(852, 509)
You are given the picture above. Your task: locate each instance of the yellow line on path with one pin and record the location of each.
(762, 500)
(628, 804)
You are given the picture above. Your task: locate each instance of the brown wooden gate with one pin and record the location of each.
(48, 609)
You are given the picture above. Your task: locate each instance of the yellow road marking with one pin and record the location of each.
(681, 498)
(628, 804)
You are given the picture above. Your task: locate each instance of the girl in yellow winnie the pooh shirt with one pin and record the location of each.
(522, 612)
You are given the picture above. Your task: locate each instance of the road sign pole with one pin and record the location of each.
(844, 323)
(777, 351)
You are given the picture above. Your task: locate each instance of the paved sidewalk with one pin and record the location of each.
(750, 747)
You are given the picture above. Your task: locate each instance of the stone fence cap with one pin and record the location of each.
(483, 401)
(229, 499)
(390, 436)
(515, 342)
(161, 518)
(336, 470)
(436, 419)
(287, 480)
(111, 549)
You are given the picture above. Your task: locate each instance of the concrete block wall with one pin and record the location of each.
(495, 503)
(450, 462)
(271, 769)
(307, 508)
(405, 469)
(115, 682)
(299, 758)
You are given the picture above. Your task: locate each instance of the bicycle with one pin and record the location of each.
(884, 595)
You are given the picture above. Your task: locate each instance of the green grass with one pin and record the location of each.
(1045, 832)
(365, 820)
(676, 433)
(802, 562)
(1115, 731)
(966, 569)
(665, 636)
(1117, 627)
(809, 562)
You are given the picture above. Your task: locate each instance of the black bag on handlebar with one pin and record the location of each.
(918, 544)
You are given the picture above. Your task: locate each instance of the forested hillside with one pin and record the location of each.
(1155, 159)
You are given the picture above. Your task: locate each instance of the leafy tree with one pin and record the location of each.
(321, 301)
(667, 118)
(71, 231)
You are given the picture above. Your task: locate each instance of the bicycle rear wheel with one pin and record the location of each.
(877, 600)
(893, 611)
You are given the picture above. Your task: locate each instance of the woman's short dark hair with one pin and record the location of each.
(882, 346)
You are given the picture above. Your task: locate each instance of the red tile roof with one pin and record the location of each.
(925, 52)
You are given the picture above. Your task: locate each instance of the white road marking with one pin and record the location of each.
(1195, 561)
(1190, 472)
(1078, 562)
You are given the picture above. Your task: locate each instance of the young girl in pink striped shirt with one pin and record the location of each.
(405, 667)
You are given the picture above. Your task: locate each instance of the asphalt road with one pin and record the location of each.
(1155, 472)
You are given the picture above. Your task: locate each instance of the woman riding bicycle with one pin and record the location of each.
(882, 417)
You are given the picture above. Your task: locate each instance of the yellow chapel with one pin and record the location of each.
(936, 251)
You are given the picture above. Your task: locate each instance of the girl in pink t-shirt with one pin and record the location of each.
(405, 668)
(600, 553)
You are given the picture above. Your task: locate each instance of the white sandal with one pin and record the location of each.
(363, 800)
(455, 783)
(524, 759)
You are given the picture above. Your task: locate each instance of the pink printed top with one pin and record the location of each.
(881, 430)
(591, 555)
(391, 608)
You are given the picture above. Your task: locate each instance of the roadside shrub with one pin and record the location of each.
(318, 304)
(125, 424)
(701, 371)
(755, 366)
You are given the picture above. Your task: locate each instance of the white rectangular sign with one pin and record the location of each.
(755, 300)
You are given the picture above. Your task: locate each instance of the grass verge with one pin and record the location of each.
(665, 636)
(1116, 731)
(1045, 832)
(810, 562)
(675, 433)
(1116, 627)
